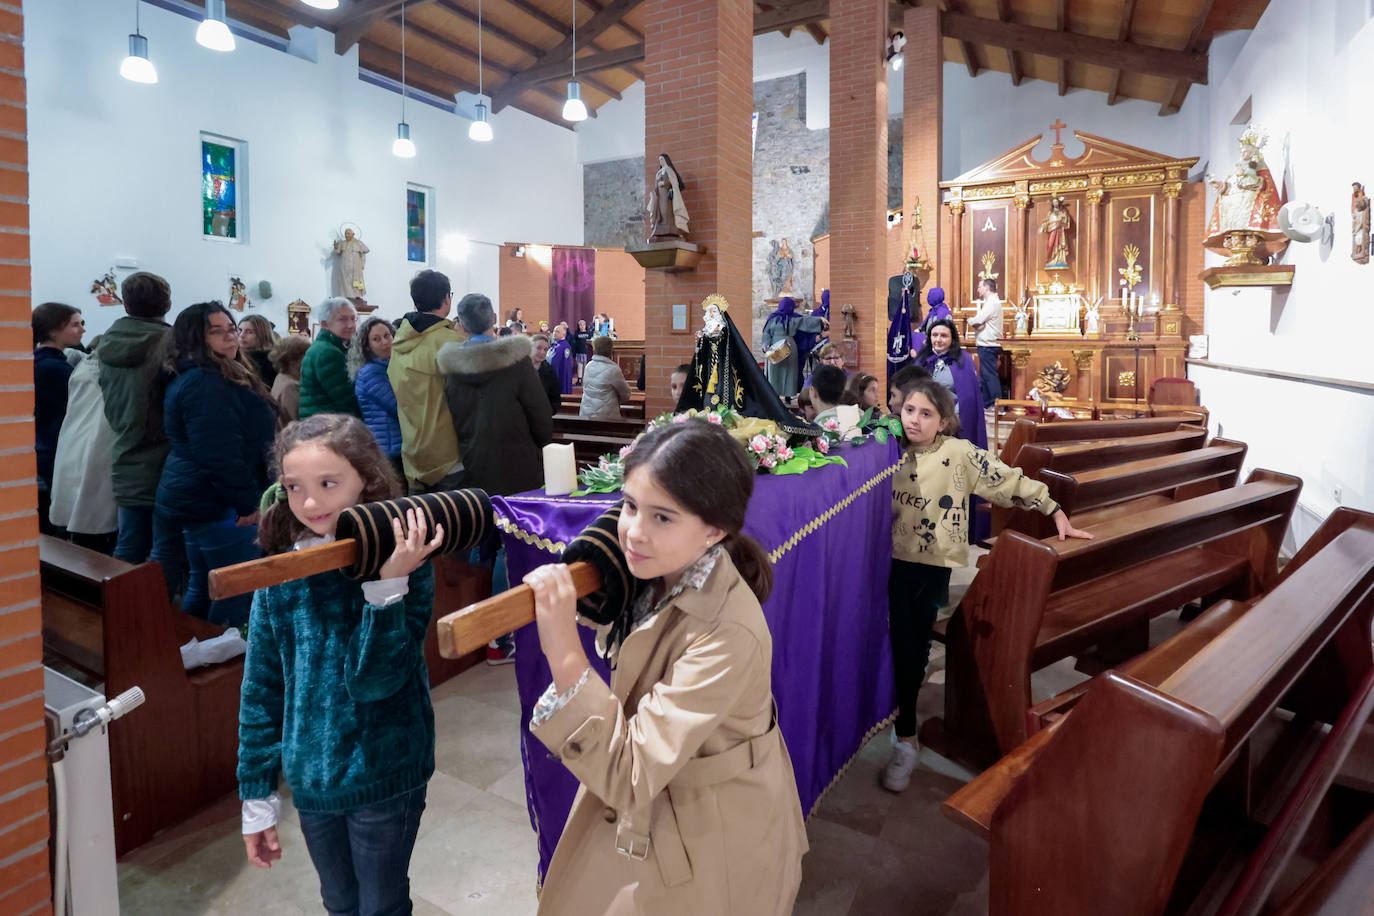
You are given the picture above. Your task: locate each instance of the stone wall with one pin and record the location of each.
(791, 191)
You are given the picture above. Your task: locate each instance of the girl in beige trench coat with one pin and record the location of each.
(688, 804)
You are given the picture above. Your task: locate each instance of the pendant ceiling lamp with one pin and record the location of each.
(402, 145)
(574, 109)
(213, 31)
(322, 4)
(137, 67)
(480, 129)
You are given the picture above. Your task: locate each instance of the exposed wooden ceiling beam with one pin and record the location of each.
(1180, 91)
(592, 63)
(1061, 24)
(1123, 33)
(1088, 49)
(1013, 63)
(361, 17)
(791, 15)
(817, 32)
(970, 59)
(603, 19)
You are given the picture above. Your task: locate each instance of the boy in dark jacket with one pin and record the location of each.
(132, 352)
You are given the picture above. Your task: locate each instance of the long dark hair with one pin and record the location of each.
(350, 439)
(704, 470)
(49, 318)
(189, 345)
(955, 352)
(938, 395)
(681, 185)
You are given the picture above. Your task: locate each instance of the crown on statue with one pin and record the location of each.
(1254, 138)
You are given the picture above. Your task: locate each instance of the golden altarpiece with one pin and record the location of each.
(1087, 255)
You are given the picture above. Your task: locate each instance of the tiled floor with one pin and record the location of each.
(872, 852)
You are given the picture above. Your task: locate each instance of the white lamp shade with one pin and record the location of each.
(402, 145)
(137, 67)
(480, 129)
(322, 4)
(897, 61)
(574, 109)
(214, 34)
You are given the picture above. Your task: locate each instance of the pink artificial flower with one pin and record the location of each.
(625, 450)
(681, 418)
(832, 424)
(784, 454)
(823, 446)
(767, 462)
(713, 418)
(605, 465)
(759, 444)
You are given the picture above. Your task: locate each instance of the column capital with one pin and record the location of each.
(956, 206)
(1083, 359)
(1094, 196)
(1022, 201)
(1172, 189)
(1020, 357)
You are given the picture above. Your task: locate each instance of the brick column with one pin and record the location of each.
(858, 172)
(24, 884)
(923, 90)
(698, 103)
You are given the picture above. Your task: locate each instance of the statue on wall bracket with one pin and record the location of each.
(1244, 223)
(1359, 224)
(664, 207)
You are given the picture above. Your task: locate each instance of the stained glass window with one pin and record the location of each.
(417, 225)
(219, 189)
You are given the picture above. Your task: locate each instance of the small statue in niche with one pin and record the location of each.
(848, 312)
(780, 269)
(352, 259)
(1091, 318)
(1359, 224)
(664, 206)
(1056, 227)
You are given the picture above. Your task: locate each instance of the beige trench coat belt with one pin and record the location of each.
(698, 773)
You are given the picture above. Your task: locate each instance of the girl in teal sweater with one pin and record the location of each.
(335, 690)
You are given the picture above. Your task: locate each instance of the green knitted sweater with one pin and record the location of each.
(336, 694)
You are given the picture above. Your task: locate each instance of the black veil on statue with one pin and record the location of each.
(724, 374)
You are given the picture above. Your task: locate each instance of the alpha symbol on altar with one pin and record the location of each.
(988, 226)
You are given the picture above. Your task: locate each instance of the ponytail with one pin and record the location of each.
(752, 563)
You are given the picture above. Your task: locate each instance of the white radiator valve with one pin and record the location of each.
(121, 705)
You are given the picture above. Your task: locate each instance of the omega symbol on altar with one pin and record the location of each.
(988, 226)
(1130, 215)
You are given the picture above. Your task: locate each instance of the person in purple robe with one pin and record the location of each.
(949, 365)
(807, 340)
(561, 359)
(936, 309)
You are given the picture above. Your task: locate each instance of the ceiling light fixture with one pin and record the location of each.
(137, 67)
(895, 58)
(403, 146)
(213, 31)
(480, 129)
(322, 4)
(574, 109)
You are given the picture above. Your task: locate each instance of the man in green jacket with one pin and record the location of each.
(131, 354)
(325, 385)
(429, 446)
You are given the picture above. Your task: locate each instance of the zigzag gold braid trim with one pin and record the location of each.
(580, 502)
(554, 547)
(868, 736)
(816, 523)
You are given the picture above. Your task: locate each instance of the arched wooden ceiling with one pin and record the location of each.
(1152, 50)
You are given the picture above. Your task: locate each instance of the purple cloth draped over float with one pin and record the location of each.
(561, 358)
(572, 286)
(829, 534)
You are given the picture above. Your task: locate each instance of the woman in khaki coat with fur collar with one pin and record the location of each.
(688, 803)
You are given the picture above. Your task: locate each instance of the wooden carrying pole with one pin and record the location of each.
(474, 626)
(228, 581)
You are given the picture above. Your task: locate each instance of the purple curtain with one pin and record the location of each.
(572, 286)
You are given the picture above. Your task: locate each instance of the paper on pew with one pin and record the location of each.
(227, 645)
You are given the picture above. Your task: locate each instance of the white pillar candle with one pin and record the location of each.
(560, 469)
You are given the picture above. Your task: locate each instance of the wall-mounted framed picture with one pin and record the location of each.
(223, 188)
(420, 224)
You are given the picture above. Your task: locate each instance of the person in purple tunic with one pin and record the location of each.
(809, 340)
(561, 359)
(949, 365)
(936, 309)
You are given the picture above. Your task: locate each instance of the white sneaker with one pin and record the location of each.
(897, 776)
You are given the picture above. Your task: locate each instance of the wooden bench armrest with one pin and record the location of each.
(972, 806)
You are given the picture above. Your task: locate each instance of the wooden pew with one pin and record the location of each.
(1035, 602)
(113, 621)
(632, 410)
(1071, 457)
(1024, 431)
(591, 438)
(1097, 813)
(1097, 495)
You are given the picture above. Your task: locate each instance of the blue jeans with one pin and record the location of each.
(363, 856)
(987, 374)
(143, 536)
(210, 545)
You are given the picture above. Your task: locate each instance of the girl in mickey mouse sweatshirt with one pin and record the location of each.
(930, 494)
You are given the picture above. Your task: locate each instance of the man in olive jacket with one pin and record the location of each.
(325, 385)
(131, 355)
(429, 446)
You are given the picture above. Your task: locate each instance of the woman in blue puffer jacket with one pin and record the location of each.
(368, 356)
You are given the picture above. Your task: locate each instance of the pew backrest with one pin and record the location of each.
(1024, 431)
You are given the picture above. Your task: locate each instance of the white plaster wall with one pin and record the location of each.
(114, 167)
(1305, 73)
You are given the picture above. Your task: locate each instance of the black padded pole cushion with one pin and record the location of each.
(465, 514)
(599, 545)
